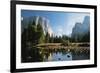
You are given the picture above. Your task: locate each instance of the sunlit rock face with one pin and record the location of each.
(44, 22)
(81, 28)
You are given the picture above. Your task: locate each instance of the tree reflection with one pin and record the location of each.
(42, 54)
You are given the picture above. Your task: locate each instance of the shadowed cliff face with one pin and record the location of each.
(44, 22)
(81, 28)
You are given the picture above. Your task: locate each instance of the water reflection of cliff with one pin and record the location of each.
(45, 55)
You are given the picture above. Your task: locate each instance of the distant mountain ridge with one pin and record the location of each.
(80, 29)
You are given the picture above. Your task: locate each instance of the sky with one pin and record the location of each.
(60, 22)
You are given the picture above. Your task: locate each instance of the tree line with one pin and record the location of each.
(34, 34)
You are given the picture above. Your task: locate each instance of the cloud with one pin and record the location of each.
(58, 30)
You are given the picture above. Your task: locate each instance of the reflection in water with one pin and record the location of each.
(59, 57)
(45, 55)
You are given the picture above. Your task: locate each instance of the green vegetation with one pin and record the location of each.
(34, 35)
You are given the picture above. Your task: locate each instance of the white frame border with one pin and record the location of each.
(20, 65)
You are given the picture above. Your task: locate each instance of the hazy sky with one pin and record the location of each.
(60, 22)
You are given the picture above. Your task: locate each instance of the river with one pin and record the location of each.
(47, 55)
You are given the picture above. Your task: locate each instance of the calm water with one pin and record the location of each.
(45, 55)
(59, 57)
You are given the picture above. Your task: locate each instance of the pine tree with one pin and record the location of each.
(40, 34)
(47, 38)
